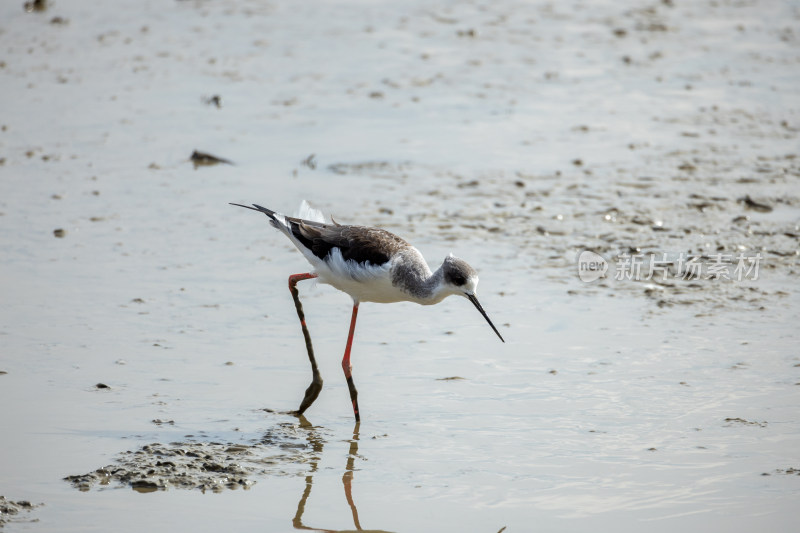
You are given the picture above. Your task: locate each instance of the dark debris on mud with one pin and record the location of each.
(203, 159)
(207, 466)
(10, 511)
(742, 422)
(788, 471)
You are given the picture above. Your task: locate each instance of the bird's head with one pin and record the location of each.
(462, 279)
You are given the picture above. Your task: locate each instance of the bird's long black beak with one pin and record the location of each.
(474, 299)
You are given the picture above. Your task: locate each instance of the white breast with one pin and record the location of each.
(364, 282)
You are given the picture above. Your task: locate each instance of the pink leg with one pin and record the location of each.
(347, 367)
(314, 389)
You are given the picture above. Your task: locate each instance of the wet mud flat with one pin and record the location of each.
(676, 236)
(284, 450)
(289, 449)
(518, 135)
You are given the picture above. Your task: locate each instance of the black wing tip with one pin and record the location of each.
(240, 205)
(256, 207)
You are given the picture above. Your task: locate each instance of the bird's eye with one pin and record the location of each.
(458, 280)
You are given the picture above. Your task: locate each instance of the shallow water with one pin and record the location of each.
(514, 135)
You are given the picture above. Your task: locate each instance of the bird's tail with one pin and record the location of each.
(269, 212)
(276, 219)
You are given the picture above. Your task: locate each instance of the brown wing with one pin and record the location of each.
(357, 243)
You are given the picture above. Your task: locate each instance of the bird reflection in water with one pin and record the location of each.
(316, 442)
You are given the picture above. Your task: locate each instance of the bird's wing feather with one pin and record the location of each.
(356, 243)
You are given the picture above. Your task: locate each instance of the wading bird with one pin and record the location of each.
(371, 265)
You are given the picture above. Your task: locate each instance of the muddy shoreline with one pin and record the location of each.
(146, 322)
(285, 449)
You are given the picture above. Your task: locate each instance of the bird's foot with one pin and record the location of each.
(353, 398)
(312, 392)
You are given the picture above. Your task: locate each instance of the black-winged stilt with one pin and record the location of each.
(371, 265)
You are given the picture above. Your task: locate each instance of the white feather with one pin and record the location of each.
(364, 283)
(306, 212)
